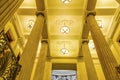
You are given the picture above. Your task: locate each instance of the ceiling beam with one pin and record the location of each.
(102, 11)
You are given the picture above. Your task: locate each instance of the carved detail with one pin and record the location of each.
(118, 68)
(9, 66)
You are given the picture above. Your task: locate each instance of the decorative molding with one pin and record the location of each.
(85, 41)
(44, 41)
(9, 67)
(90, 13)
(40, 13)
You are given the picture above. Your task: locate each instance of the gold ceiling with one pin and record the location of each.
(70, 15)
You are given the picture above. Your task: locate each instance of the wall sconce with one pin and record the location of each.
(64, 30)
(66, 1)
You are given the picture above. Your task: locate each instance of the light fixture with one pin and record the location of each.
(64, 50)
(91, 44)
(64, 30)
(30, 24)
(100, 24)
(66, 1)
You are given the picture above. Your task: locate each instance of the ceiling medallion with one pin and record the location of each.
(66, 1)
(30, 24)
(64, 30)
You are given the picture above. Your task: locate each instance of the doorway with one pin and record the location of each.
(64, 72)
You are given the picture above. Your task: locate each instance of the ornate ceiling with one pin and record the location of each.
(71, 15)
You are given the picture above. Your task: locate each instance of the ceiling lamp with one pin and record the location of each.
(65, 30)
(30, 24)
(91, 44)
(100, 24)
(64, 51)
(66, 1)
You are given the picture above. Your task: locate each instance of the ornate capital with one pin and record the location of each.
(40, 13)
(85, 41)
(91, 13)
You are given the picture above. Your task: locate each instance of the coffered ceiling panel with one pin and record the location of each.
(55, 24)
(27, 23)
(105, 22)
(28, 4)
(71, 46)
(106, 4)
(71, 15)
(58, 4)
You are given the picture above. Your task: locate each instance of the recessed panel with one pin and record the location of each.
(107, 4)
(28, 4)
(74, 23)
(74, 4)
(27, 23)
(56, 47)
(105, 22)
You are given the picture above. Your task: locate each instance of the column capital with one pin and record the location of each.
(85, 41)
(40, 13)
(44, 41)
(90, 13)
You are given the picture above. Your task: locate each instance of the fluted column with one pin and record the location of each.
(7, 9)
(105, 55)
(48, 70)
(39, 72)
(81, 70)
(91, 73)
(29, 53)
(116, 49)
(104, 52)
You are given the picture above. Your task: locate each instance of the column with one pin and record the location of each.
(90, 68)
(105, 55)
(7, 9)
(29, 52)
(104, 52)
(40, 69)
(81, 70)
(116, 49)
(85, 32)
(48, 70)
